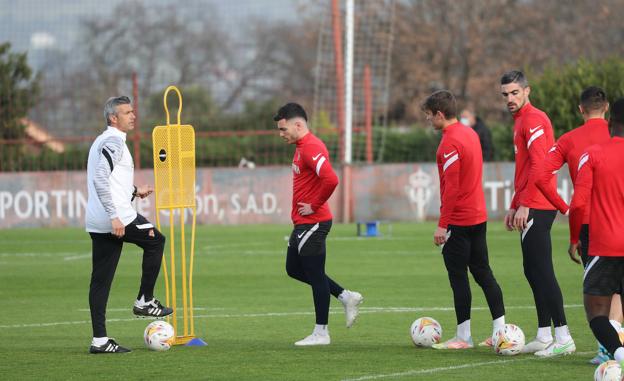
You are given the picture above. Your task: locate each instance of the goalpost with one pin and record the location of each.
(351, 90)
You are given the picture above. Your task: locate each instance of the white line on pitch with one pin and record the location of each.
(129, 308)
(75, 257)
(273, 314)
(232, 245)
(416, 372)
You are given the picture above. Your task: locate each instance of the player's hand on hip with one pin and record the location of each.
(304, 209)
(520, 218)
(574, 251)
(439, 236)
(509, 219)
(144, 190)
(118, 228)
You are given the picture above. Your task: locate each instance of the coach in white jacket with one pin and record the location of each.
(111, 220)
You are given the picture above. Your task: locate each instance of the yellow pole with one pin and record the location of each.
(173, 272)
(194, 211)
(164, 266)
(184, 290)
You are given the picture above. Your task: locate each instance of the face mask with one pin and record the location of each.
(465, 122)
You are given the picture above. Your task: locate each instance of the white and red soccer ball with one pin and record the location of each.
(425, 332)
(159, 335)
(608, 371)
(509, 340)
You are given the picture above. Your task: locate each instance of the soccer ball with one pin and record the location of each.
(426, 331)
(608, 371)
(509, 340)
(159, 335)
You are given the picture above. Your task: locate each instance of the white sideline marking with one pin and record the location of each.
(455, 367)
(364, 310)
(75, 257)
(130, 308)
(29, 254)
(40, 254)
(232, 245)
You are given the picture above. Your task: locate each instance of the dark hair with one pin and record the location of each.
(616, 118)
(443, 101)
(593, 98)
(514, 76)
(289, 111)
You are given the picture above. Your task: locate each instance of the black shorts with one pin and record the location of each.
(603, 276)
(309, 239)
(584, 244)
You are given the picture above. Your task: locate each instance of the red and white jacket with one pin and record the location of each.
(568, 149)
(314, 180)
(533, 137)
(600, 186)
(460, 167)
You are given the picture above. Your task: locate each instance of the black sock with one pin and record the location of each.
(605, 333)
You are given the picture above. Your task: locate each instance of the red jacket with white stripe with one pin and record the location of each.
(460, 167)
(314, 180)
(533, 137)
(600, 186)
(568, 149)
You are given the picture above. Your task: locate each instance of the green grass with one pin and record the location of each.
(251, 312)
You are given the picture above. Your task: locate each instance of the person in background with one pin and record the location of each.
(470, 119)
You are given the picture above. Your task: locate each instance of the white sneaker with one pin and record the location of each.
(556, 349)
(314, 339)
(351, 300)
(536, 345)
(454, 343)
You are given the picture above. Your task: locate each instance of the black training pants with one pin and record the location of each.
(106, 249)
(539, 270)
(466, 248)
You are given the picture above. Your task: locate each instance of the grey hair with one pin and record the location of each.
(110, 107)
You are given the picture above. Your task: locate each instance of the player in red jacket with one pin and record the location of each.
(568, 150)
(462, 225)
(314, 181)
(599, 186)
(532, 214)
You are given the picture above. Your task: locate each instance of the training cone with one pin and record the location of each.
(196, 342)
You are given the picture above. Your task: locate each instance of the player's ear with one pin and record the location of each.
(580, 109)
(527, 91)
(112, 119)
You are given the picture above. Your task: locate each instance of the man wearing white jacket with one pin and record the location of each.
(111, 220)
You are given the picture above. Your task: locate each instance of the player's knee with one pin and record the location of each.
(596, 306)
(292, 272)
(484, 278)
(158, 240)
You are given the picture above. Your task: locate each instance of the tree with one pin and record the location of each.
(466, 46)
(558, 89)
(18, 91)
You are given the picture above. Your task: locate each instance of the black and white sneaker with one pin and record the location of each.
(109, 347)
(153, 308)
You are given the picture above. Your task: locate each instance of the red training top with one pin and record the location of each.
(569, 149)
(314, 180)
(533, 137)
(600, 185)
(460, 167)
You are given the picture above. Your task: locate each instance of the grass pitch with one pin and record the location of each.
(250, 313)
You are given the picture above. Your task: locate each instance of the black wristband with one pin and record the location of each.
(134, 194)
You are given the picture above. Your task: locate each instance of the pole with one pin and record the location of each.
(368, 114)
(340, 86)
(348, 128)
(136, 138)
